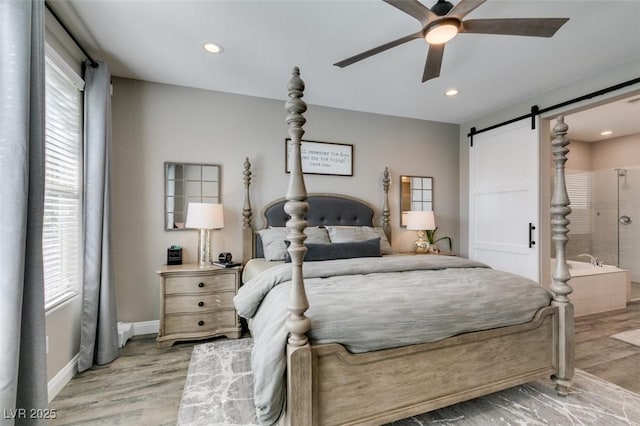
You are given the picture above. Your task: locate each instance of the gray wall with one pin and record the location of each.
(154, 123)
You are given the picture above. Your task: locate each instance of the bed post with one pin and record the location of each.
(386, 223)
(299, 385)
(247, 229)
(559, 287)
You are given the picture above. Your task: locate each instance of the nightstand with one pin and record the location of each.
(197, 303)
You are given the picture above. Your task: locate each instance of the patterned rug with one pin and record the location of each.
(219, 388)
(632, 337)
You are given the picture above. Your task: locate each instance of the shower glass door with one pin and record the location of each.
(628, 221)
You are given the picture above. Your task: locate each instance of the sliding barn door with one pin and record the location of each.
(503, 190)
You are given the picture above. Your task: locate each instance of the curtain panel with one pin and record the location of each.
(99, 330)
(23, 375)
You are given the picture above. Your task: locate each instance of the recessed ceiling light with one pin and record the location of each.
(212, 47)
(606, 133)
(452, 92)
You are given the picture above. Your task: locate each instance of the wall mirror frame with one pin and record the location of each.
(416, 193)
(186, 183)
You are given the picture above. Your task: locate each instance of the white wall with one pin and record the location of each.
(154, 123)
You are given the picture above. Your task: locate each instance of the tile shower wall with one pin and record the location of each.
(604, 216)
(613, 196)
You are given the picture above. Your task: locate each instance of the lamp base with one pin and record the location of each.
(422, 244)
(204, 248)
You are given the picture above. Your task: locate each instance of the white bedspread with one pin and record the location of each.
(369, 304)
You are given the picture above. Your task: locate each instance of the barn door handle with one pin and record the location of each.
(532, 227)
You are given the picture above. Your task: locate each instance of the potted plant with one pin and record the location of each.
(431, 237)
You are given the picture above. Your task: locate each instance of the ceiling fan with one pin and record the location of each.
(444, 21)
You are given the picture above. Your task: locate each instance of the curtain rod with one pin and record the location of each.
(94, 64)
(536, 111)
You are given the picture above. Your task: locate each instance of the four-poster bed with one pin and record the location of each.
(390, 337)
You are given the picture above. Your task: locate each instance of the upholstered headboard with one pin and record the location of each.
(324, 210)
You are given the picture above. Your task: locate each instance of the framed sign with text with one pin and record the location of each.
(322, 158)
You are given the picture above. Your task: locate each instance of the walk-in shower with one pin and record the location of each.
(628, 220)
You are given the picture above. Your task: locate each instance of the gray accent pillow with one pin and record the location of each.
(273, 240)
(367, 248)
(345, 234)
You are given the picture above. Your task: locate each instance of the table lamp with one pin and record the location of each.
(421, 221)
(204, 217)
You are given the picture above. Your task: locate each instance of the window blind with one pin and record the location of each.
(579, 191)
(62, 225)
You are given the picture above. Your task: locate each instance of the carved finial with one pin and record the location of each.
(385, 179)
(246, 208)
(296, 206)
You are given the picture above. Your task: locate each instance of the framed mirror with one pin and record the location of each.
(416, 193)
(186, 183)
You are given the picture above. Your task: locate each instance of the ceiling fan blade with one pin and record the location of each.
(377, 50)
(464, 8)
(414, 8)
(534, 27)
(434, 62)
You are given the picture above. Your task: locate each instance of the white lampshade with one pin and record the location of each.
(205, 216)
(420, 220)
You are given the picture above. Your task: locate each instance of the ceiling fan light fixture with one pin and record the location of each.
(451, 92)
(442, 31)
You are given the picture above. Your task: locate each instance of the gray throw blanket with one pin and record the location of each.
(368, 304)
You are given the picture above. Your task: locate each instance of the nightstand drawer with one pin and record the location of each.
(179, 303)
(200, 284)
(199, 322)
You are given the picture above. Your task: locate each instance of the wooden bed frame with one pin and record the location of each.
(327, 385)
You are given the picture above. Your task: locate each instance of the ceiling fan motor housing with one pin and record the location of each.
(442, 7)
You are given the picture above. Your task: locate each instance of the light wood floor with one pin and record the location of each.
(144, 385)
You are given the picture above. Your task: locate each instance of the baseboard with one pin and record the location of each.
(146, 327)
(60, 380)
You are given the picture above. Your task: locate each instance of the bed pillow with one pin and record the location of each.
(345, 234)
(367, 248)
(273, 240)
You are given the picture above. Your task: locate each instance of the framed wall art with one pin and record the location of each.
(323, 158)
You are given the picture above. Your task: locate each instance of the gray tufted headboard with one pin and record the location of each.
(324, 209)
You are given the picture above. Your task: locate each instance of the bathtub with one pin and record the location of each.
(597, 288)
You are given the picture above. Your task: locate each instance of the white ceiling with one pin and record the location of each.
(161, 41)
(621, 118)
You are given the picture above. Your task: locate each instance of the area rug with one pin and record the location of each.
(632, 337)
(219, 388)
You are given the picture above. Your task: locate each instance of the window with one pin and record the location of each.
(62, 230)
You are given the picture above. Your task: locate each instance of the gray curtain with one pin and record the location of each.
(23, 369)
(99, 330)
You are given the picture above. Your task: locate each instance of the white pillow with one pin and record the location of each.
(273, 240)
(347, 234)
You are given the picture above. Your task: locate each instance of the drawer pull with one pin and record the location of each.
(200, 323)
(200, 285)
(201, 304)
